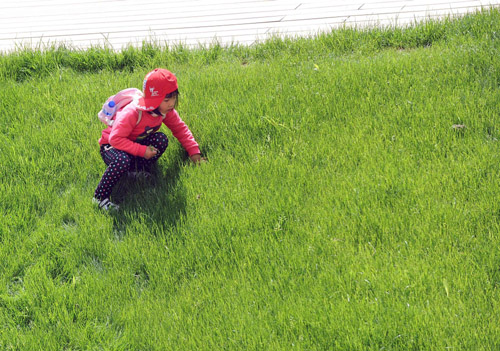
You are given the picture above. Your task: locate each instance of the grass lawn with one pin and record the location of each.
(351, 200)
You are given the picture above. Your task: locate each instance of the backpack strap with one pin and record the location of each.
(139, 118)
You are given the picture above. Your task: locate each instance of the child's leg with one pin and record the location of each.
(160, 142)
(118, 164)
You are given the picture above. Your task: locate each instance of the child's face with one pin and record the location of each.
(167, 105)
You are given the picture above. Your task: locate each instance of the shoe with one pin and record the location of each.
(106, 204)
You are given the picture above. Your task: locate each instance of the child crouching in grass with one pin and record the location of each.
(132, 144)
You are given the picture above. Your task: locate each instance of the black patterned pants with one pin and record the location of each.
(120, 162)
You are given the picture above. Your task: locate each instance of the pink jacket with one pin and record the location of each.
(124, 131)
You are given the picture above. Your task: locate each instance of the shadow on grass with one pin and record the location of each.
(156, 202)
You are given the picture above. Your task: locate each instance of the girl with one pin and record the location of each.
(131, 145)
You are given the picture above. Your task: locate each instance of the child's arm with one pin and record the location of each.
(181, 131)
(125, 123)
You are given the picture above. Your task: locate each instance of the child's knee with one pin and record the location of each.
(160, 141)
(123, 162)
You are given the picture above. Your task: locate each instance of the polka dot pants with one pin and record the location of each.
(119, 163)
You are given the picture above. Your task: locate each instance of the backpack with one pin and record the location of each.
(116, 102)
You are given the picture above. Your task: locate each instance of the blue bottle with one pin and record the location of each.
(109, 109)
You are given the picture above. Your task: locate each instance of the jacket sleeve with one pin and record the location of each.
(124, 124)
(181, 131)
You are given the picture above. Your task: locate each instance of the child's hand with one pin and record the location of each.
(196, 158)
(151, 152)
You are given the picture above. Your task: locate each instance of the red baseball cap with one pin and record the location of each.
(157, 84)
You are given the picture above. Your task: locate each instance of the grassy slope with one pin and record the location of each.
(339, 209)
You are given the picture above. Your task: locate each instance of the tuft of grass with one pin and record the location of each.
(341, 208)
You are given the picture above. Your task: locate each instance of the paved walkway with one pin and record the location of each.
(83, 23)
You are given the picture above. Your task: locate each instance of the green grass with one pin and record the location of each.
(339, 209)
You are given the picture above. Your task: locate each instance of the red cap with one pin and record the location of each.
(157, 84)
